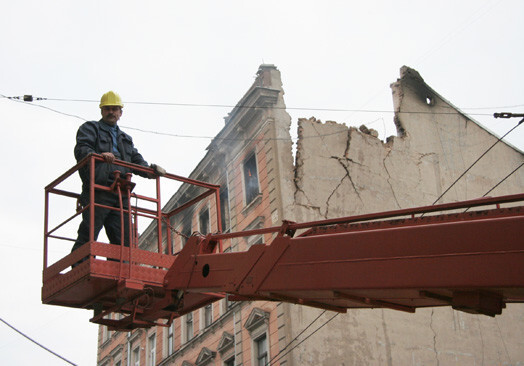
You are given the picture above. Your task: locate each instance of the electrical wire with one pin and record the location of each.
(276, 357)
(464, 24)
(476, 161)
(294, 339)
(506, 177)
(17, 99)
(302, 341)
(499, 183)
(21, 100)
(241, 106)
(35, 342)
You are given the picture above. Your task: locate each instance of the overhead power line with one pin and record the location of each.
(30, 98)
(276, 357)
(257, 107)
(302, 341)
(35, 342)
(27, 99)
(480, 157)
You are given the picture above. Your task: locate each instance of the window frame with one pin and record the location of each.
(229, 360)
(135, 355)
(151, 350)
(258, 357)
(204, 212)
(170, 339)
(251, 186)
(225, 207)
(189, 327)
(207, 312)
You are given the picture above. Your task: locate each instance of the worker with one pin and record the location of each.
(105, 138)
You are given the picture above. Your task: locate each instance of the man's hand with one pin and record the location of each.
(108, 157)
(158, 170)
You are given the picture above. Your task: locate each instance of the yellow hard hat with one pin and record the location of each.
(111, 99)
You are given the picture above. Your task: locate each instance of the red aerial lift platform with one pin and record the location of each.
(440, 255)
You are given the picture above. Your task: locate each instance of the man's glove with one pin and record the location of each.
(158, 170)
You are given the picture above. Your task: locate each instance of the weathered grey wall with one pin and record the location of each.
(343, 171)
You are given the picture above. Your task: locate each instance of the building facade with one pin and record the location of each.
(338, 171)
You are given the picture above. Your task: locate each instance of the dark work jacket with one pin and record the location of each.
(94, 137)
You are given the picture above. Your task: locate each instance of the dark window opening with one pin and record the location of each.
(208, 315)
(203, 219)
(261, 349)
(251, 179)
(224, 208)
(189, 326)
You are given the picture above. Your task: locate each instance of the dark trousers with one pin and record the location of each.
(104, 217)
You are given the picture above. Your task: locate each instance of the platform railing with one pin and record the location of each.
(123, 187)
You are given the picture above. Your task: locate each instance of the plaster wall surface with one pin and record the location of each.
(343, 171)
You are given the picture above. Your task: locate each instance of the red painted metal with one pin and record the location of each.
(402, 260)
(400, 264)
(110, 277)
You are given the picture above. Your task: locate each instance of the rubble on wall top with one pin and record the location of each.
(368, 131)
(406, 71)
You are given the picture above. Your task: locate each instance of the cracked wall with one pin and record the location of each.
(342, 171)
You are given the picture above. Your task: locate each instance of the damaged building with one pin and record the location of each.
(337, 171)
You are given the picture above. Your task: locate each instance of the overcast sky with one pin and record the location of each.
(332, 55)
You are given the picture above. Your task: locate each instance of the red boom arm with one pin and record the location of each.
(404, 259)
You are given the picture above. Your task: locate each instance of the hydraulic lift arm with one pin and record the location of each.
(473, 261)
(440, 255)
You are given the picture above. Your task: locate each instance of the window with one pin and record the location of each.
(230, 362)
(226, 347)
(189, 326)
(105, 334)
(205, 357)
(257, 324)
(203, 219)
(171, 339)
(135, 356)
(228, 304)
(251, 179)
(257, 223)
(261, 350)
(224, 207)
(151, 347)
(116, 355)
(208, 315)
(254, 240)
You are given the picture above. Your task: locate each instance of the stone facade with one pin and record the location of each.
(339, 171)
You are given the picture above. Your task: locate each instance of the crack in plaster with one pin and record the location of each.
(299, 190)
(387, 340)
(331, 195)
(389, 179)
(341, 161)
(481, 339)
(434, 336)
(346, 151)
